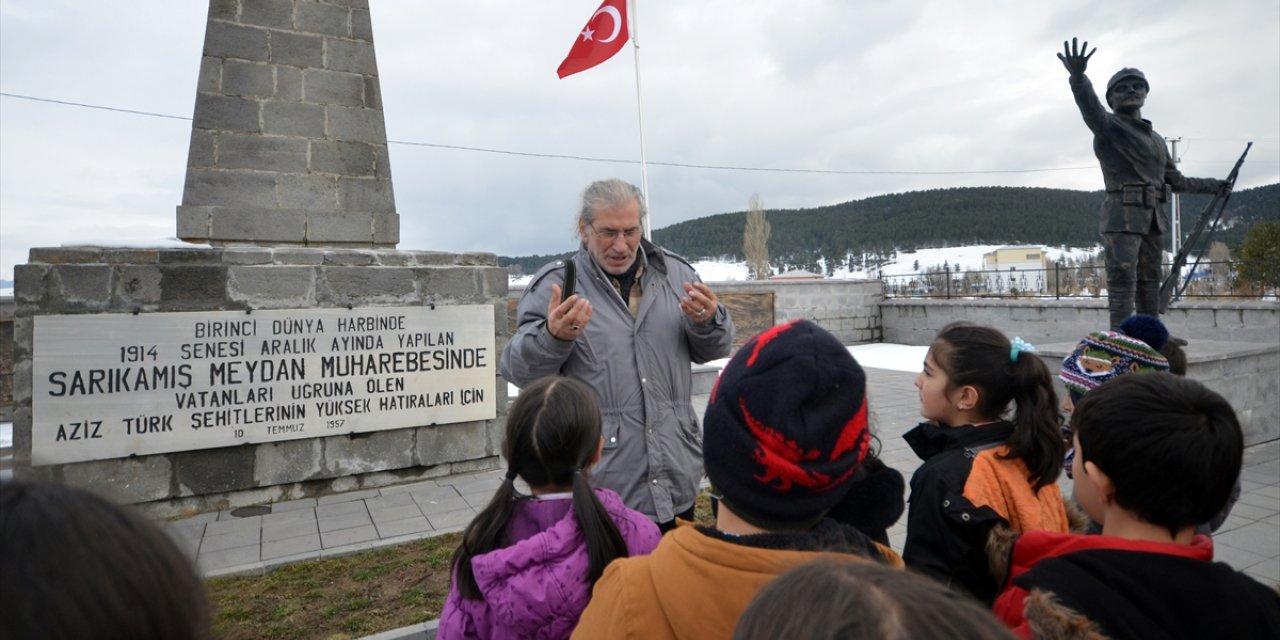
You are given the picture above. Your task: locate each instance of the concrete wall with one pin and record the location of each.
(916, 321)
(91, 280)
(1247, 375)
(849, 309)
(6, 359)
(1235, 345)
(1234, 350)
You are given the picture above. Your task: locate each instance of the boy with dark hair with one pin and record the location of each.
(1157, 454)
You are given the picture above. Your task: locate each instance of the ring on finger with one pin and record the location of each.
(702, 312)
(574, 327)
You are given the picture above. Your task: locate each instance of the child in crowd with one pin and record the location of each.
(785, 432)
(74, 565)
(984, 479)
(527, 564)
(1155, 455)
(1140, 347)
(1104, 355)
(831, 599)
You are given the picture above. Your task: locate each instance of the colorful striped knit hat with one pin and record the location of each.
(1103, 355)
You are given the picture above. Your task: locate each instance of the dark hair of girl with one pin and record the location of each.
(76, 565)
(834, 598)
(984, 358)
(553, 433)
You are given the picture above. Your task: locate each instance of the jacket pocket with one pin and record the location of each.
(690, 432)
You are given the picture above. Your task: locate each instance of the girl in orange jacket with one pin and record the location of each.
(985, 478)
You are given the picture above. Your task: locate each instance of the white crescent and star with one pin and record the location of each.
(617, 25)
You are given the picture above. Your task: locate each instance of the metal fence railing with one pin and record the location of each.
(1209, 280)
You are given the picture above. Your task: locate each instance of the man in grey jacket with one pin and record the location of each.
(1138, 174)
(639, 316)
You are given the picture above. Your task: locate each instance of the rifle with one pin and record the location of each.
(1169, 290)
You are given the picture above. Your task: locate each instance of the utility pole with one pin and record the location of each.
(1175, 208)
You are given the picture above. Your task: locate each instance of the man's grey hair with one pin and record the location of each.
(606, 194)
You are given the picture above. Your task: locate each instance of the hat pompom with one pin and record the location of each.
(1146, 328)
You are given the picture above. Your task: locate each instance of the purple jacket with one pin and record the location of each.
(536, 587)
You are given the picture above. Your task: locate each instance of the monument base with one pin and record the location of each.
(88, 280)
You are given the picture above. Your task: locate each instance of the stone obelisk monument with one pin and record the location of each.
(288, 144)
(291, 350)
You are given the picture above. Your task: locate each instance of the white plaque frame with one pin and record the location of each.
(117, 385)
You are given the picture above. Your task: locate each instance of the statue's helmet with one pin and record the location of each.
(1127, 72)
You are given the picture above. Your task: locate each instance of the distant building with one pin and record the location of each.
(1007, 261)
(1015, 258)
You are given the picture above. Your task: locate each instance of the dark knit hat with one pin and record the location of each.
(1103, 355)
(786, 426)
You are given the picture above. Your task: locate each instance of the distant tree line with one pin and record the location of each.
(855, 233)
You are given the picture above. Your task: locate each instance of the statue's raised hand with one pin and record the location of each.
(1074, 58)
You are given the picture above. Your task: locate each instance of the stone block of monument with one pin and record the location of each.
(288, 142)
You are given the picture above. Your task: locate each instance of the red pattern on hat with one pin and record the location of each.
(854, 433)
(765, 338)
(781, 459)
(786, 426)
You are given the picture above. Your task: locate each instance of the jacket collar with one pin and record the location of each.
(928, 439)
(828, 535)
(653, 257)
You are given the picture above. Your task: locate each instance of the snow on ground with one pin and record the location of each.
(879, 355)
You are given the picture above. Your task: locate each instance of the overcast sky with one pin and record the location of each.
(967, 91)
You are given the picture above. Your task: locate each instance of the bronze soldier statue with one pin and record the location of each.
(1139, 176)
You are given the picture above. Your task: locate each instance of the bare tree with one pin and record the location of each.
(755, 239)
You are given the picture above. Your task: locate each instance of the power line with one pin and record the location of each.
(685, 165)
(561, 156)
(93, 106)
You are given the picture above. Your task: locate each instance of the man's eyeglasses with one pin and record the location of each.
(612, 234)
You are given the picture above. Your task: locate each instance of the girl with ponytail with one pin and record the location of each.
(527, 563)
(987, 476)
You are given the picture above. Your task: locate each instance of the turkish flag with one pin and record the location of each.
(603, 36)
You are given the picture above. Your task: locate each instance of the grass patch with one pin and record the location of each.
(347, 597)
(337, 598)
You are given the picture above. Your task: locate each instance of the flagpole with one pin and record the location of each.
(644, 166)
